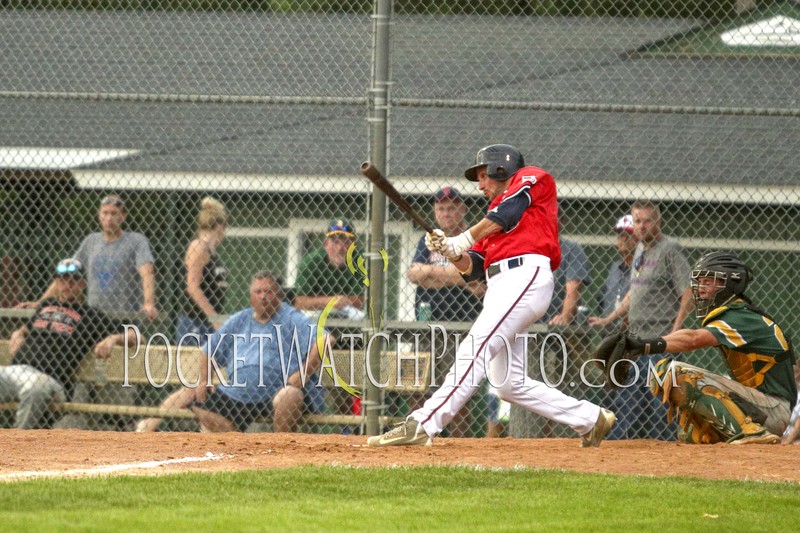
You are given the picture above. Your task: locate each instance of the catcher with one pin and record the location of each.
(754, 406)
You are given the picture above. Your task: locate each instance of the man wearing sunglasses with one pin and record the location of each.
(48, 349)
(119, 265)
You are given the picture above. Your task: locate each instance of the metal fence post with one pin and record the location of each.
(378, 128)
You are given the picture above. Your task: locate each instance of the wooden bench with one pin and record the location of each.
(160, 365)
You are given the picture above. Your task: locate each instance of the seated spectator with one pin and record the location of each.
(50, 347)
(441, 293)
(265, 375)
(323, 274)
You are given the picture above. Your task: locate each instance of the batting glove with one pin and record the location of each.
(434, 241)
(455, 246)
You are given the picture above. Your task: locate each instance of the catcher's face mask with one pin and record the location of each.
(707, 288)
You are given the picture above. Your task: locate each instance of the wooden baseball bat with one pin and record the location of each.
(374, 175)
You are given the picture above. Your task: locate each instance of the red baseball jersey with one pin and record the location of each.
(537, 230)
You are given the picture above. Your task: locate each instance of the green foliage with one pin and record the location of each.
(706, 9)
(705, 40)
(401, 499)
(277, 6)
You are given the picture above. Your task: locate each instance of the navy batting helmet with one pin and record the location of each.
(729, 273)
(501, 161)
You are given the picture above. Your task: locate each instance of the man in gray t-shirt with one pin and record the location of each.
(658, 302)
(659, 278)
(113, 270)
(119, 265)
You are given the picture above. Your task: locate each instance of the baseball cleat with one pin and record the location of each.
(408, 433)
(762, 438)
(605, 421)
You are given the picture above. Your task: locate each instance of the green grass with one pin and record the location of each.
(400, 499)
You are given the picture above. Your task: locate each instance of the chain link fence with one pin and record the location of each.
(178, 148)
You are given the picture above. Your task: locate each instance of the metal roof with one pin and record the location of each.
(92, 64)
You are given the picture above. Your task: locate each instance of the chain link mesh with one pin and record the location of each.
(264, 107)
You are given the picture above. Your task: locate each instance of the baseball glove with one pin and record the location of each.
(611, 356)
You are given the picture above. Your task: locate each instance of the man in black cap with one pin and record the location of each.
(48, 349)
(442, 294)
(439, 284)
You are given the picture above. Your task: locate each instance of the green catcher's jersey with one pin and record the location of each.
(755, 348)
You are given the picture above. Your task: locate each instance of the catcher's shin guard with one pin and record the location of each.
(716, 407)
(707, 414)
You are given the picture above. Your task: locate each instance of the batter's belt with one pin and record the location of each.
(514, 262)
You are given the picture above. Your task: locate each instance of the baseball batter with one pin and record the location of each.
(515, 247)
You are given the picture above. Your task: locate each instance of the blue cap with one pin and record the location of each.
(341, 226)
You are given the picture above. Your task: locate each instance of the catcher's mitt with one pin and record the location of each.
(612, 352)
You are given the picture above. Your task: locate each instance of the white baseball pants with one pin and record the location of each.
(514, 299)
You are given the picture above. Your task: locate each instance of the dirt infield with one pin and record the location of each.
(74, 453)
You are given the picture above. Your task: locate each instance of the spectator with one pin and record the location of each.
(48, 349)
(441, 286)
(657, 304)
(113, 260)
(324, 274)
(753, 405)
(255, 346)
(205, 274)
(570, 279)
(438, 281)
(618, 280)
(611, 296)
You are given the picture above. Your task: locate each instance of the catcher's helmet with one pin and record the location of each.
(501, 161)
(723, 266)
